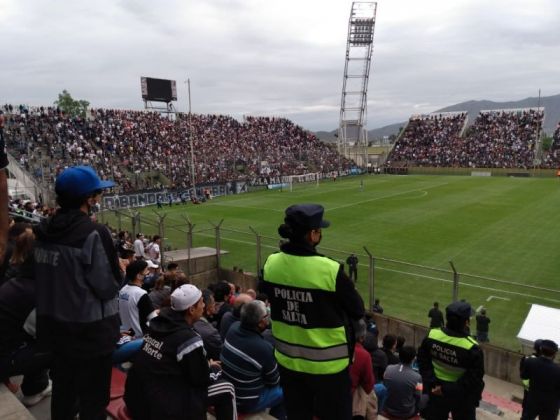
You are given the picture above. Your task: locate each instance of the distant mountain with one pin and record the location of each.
(551, 106)
(327, 136)
(550, 103)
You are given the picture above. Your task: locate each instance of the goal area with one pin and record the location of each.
(310, 179)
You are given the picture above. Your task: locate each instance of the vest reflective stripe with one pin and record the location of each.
(308, 350)
(304, 272)
(462, 342)
(315, 337)
(310, 366)
(445, 371)
(315, 354)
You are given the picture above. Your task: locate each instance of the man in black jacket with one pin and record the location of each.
(452, 367)
(543, 396)
(77, 279)
(171, 377)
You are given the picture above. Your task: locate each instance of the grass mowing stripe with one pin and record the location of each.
(497, 227)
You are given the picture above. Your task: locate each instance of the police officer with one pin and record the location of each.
(543, 395)
(312, 301)
(452, 367)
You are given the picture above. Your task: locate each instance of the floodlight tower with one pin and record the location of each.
(353, 105)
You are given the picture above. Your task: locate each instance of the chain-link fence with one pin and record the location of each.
(406, 290)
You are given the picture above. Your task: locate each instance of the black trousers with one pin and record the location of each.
(328, 397)
(543, 408)
(28, 362)
(353, 273)
(80, 386)
(439, 408)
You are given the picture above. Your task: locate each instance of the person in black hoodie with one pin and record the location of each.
(171, 377)
(77, 280)
(18, 349)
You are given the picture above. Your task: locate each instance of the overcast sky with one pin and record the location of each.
(278, 57)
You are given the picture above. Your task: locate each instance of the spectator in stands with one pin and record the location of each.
(436, 316)
(162, 290)
(234, 314)
(22, 246)
(4, 197)
(389, 347)
(211, 338)
(312, 295)
(82, 328)
(543, 396)
(364, 399)
(14, 232)
(248, 362)
(135, 307)
(126, 256)
(121, 242)
(153, 250)
(122, 142)
(400, 343)
(222, 293)
(19, 353)
(152, 275)
(404, 387)
(377, 308)
(482, 326)
(139, 252)
(172, 267)
(171, 377)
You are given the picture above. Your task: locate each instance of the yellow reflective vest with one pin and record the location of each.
(307, 323)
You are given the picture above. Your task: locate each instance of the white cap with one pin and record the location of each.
(151, 264)
(184, 297)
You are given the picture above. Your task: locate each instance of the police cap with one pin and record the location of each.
(459, 309)
(308, 216)
(549, 345)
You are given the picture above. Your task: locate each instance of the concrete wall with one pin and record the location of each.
(498, 362)
(10, 407)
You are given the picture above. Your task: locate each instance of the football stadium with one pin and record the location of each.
(229, 255)
(499, 233)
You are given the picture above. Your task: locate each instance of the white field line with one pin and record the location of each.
(386, 196)
(496, 297)
(412, 274)
(471, 285)
(228, 204)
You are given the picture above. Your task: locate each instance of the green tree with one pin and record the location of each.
(71, 106)
(546, 142)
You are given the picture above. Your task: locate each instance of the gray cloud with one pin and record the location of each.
(283, 58)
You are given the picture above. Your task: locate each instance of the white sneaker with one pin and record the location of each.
(31, 400)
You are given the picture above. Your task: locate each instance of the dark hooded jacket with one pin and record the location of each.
(77, 282)
(170, 375)
(17, 300)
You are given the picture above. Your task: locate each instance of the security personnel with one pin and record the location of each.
(543, 395)
(452, 367)
(312, 301)
(525, 382)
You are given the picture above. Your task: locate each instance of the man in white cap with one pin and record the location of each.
(171, 377)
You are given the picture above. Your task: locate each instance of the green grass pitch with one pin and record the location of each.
(503, 229)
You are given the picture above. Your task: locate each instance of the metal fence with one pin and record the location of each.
(408, 289)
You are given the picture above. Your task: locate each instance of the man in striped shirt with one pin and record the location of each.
(248, 362)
